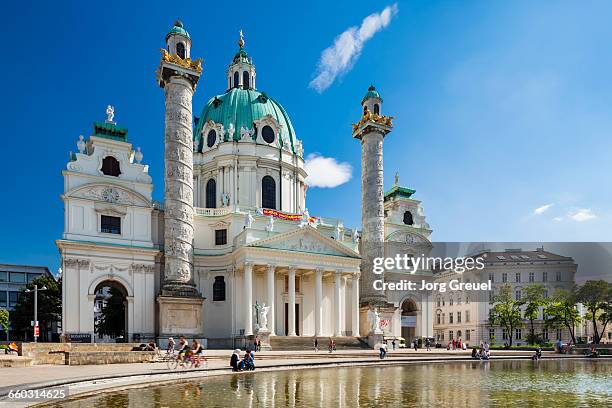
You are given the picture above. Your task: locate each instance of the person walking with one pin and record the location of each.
(393, 344)
(416, 345)
(382, 348)
(330, 345)
(258, 344)
(427, 344)
(316, 344)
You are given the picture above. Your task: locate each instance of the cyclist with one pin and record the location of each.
(183, 348)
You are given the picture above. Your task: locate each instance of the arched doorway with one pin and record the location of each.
(110, 312)
(409, 320)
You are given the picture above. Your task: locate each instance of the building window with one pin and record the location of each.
(544, 276)
(4, 277)
(491, 334)
(517, 295)
(377, 109)
(443, 318)
(110, 166)
(517, 277)
(221, 237)
(458, 300)
(491, 277)
(211, 193)
(450, 301)
(180, 50)
(458, 317)
(267, 133)
(438, 318)
(558, 276)
(450, 318)
(545, 334)
(32, 276)
(442, 336)
(3, 299)
(504, 277)
(490, 296)
(467, 335)
(219, 289)
(437, 302)
(518, 334)
(467, 316)
(211, 138)
(18, 277)
(245, 81)
(110, 225)
(236, 76)
(531, 276)
(268, 193)
(408, 218)
(13, 298)
(459, 334)
(450, 335)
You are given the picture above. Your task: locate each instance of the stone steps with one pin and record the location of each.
(9, 361)
(307, 343)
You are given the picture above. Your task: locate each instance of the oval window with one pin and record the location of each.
(268, 134)
(212, 138)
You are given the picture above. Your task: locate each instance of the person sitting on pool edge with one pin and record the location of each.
(234, 360)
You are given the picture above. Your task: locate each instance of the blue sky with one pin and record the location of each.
(502, 108)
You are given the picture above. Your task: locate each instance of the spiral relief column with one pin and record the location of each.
(179, 302)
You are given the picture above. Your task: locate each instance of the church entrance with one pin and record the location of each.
(409, 320)
(110, 312)
(297, 320)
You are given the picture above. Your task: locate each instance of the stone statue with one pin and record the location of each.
(355, 236)
(110, 114)
(225, 199)
(374, 319)
(270, 226)
(263, 317)
(81, 144)
(338, 233)
(138, 155)
(248, 220)
(396, 180)
(246, 133)
(231, 130)
(305, 220)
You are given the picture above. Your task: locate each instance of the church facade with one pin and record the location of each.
(232, 252)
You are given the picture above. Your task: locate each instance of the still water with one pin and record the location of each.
(552, 383)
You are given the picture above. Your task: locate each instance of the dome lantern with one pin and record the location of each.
(372, 101)
(241, 72)
(178, 41)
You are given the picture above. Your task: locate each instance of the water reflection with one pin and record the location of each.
(473, 384)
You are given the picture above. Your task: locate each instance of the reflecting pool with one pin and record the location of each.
(548, 383)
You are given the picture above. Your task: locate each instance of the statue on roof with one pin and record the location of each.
(396, 182)
(110, 114)
(241, 40)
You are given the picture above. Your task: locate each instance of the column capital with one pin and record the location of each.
(337, 272)
(356, 275)
(292, 268)
(248, 264)
(271, 267)
(319, 269)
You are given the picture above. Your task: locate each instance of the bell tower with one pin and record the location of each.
(179, 302)
(371, 131)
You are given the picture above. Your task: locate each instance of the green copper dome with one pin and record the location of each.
(178, 29)
(242, 107)
(372, 93)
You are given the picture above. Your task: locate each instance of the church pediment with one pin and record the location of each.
(408, 237)
(306, 239)
(110, 194)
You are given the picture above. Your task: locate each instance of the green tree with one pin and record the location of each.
(49, 307)
(596, 296)
(4, 321)
(506, 311)
(112, 319)
(533, 299)
(561, 311)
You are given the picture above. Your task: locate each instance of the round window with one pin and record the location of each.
(212, 138)
(268, 134)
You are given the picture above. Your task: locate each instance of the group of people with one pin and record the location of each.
(256, 344)
(195, 351)
(456, 344)
(331, 344)
(246, 364)
(481, 353)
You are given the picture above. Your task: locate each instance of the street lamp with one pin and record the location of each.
(36, 290)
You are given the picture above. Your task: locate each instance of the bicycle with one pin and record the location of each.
(187, 362)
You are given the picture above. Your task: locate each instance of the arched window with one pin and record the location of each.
(110, 166)
(236, 79)
(211, 138)
(408, 218)
(245, 79)
(211, 193)
(180, 50)
(219, 289)
(268, 193)
(268, 134)
(376, 109)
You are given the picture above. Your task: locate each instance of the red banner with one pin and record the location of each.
(284, 216)
(36, 331)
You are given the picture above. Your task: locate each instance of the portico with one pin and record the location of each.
(310, 292)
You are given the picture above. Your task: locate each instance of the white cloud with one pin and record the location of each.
(340, 57)
(558, 219)
(326, 172)
(542, 209)
(581, 215)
